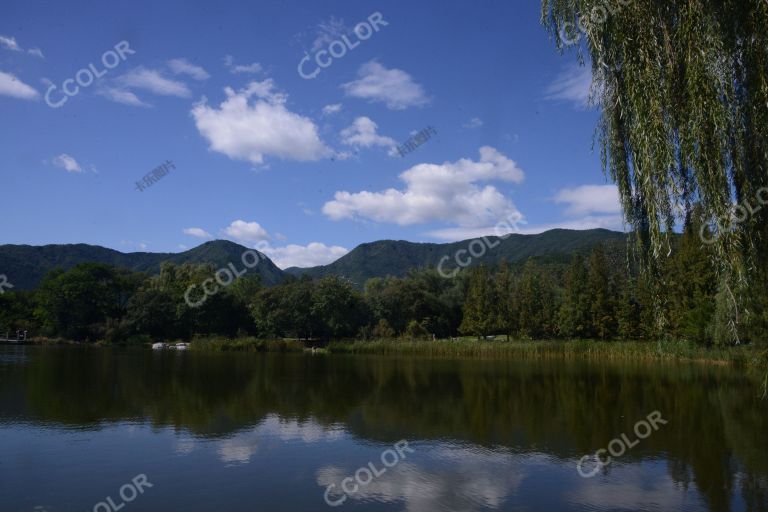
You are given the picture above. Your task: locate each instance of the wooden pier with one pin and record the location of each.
(20, 339)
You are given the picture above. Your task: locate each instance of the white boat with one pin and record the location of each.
(181, 346)
(158, 346)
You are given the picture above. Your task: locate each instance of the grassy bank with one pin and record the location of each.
(743, 355)
(245, 345)
(746, 355)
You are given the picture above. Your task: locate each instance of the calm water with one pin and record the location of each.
(271, 432)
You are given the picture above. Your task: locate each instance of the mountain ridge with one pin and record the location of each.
(559, 244)
(25, 265)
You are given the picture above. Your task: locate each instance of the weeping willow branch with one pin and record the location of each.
(683, 89)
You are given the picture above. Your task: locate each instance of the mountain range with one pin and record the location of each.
(26, 265)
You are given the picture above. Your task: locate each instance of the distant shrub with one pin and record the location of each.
(416, 331)
(383, 330)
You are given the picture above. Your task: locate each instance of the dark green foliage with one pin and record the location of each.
(76, 304)
(416, 331)
(339, 308)
(692, 287)
(508, 305)
(424, 296)
(537, 303)
(599, 296)
(603, 296)
(383, 330)
(17, 312)
(574, 316)
(481, 305)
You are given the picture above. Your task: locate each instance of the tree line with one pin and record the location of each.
(594, 296)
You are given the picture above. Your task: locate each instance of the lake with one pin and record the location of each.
(131, 429)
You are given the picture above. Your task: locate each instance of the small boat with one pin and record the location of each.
(181, 346)
(158, 346)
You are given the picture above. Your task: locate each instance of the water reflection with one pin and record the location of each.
(488, 435)
(239, 447)
(449, 477)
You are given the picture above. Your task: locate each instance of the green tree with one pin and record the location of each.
(574, 315)
(269, 313)
(537, 302)
(629, 309)
(508, 307)
(599, 295)
(480, 313)
(339, 307)
(692, 286)
(77, 303)
(17, 312)
(152, 311)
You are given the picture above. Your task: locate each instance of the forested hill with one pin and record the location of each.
(25, 265)
(395, 258)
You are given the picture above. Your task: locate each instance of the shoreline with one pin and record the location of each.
(668, 351)
(751, 355)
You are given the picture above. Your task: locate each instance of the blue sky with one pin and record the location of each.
(301, 168)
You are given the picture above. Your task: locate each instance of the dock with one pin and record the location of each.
(20, 339)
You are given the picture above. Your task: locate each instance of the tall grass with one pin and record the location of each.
(577, 349)
(218, 344)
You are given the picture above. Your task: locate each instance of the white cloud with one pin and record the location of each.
(197, 232)
(12, 86)
(67, 162)
(247, 232)
(612, 222)
(254, 67)
(153, 81)
(362, 133)
(292, 255)
(587, 207)
(229, 62)
(121, 96)
(510, 224)
(246, 131)
(474, 123)
(143, 245)
(588, 199)
(331, 109)
(393, 87)
(310, 255)
(572, 85)
(184, 67)
(9, 43)
(447, 193)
